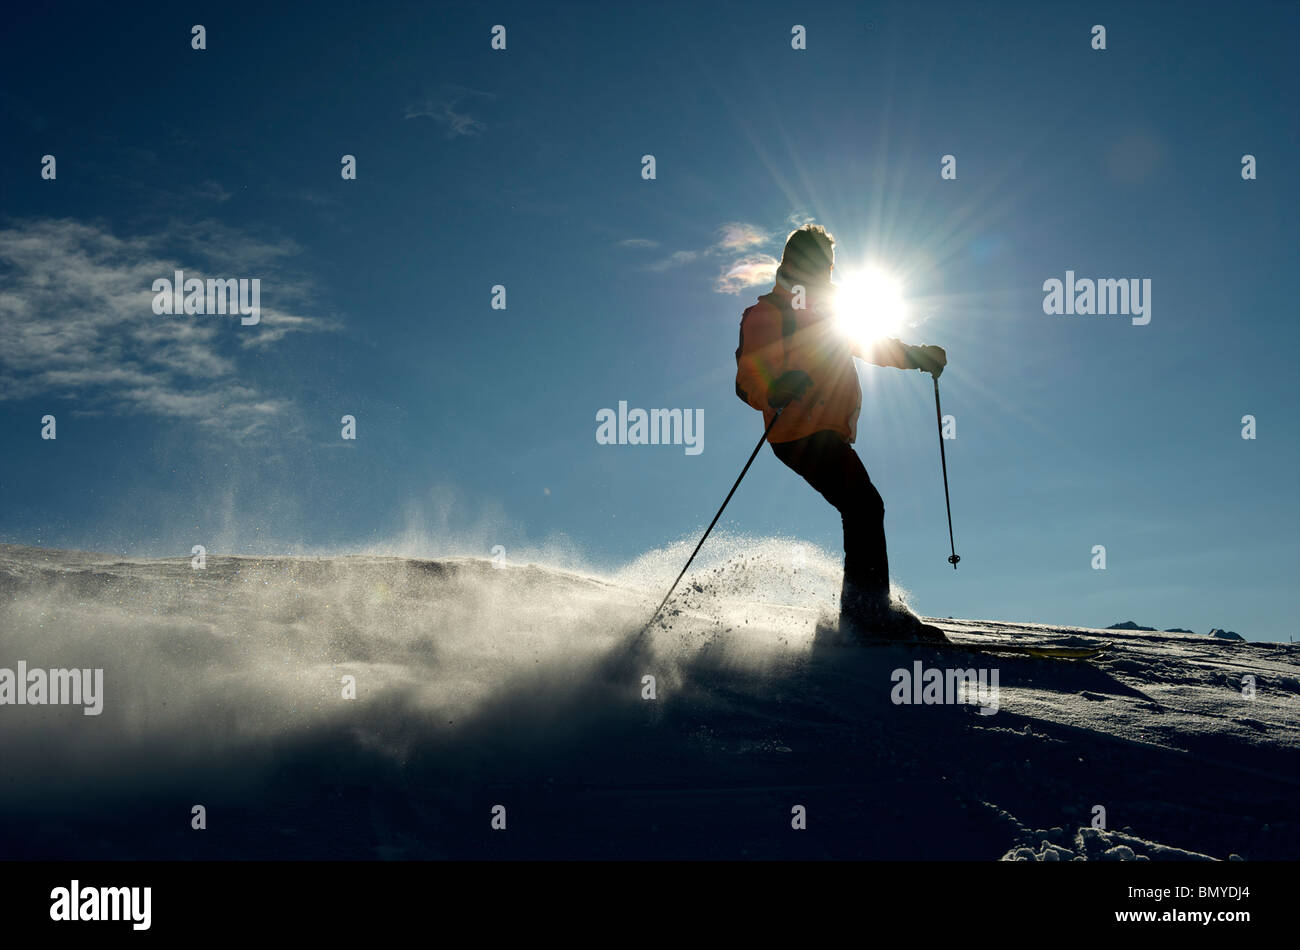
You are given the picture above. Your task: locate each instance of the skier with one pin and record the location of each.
(791, 355)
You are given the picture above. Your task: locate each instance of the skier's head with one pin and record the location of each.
(809, 255)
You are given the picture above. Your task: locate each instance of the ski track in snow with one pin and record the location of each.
(522, 686)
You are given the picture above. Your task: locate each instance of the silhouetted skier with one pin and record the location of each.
(797, 358)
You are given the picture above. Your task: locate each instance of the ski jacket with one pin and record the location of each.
(776, 338)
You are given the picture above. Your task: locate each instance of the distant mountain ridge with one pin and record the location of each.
(1214, 631)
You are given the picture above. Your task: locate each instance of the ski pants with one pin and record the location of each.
(830, 465)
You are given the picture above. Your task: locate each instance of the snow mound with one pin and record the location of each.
(531, 687)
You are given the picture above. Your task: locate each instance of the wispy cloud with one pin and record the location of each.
(213, 191)
(732, 237)
(738, 236)
(676, 259)
(77, 320)
(752, 268)
(445, 109)
(637, 242)
(751, 271)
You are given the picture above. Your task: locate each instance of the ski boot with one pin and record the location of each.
(897, 624)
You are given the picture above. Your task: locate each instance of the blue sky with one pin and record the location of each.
(522, 167)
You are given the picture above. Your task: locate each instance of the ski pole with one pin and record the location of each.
(943, 458)
(753, 455)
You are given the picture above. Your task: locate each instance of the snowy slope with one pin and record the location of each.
(523, 687)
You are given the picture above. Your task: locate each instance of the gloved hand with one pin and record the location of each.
(929, 359)
(787, 387)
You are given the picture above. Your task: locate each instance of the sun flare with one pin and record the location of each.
(869, 305)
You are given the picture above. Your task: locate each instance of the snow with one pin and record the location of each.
(1091, 844)
(523, 685)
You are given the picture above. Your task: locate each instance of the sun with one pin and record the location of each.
(869, 305)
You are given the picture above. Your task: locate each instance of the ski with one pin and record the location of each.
(1043, 652)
